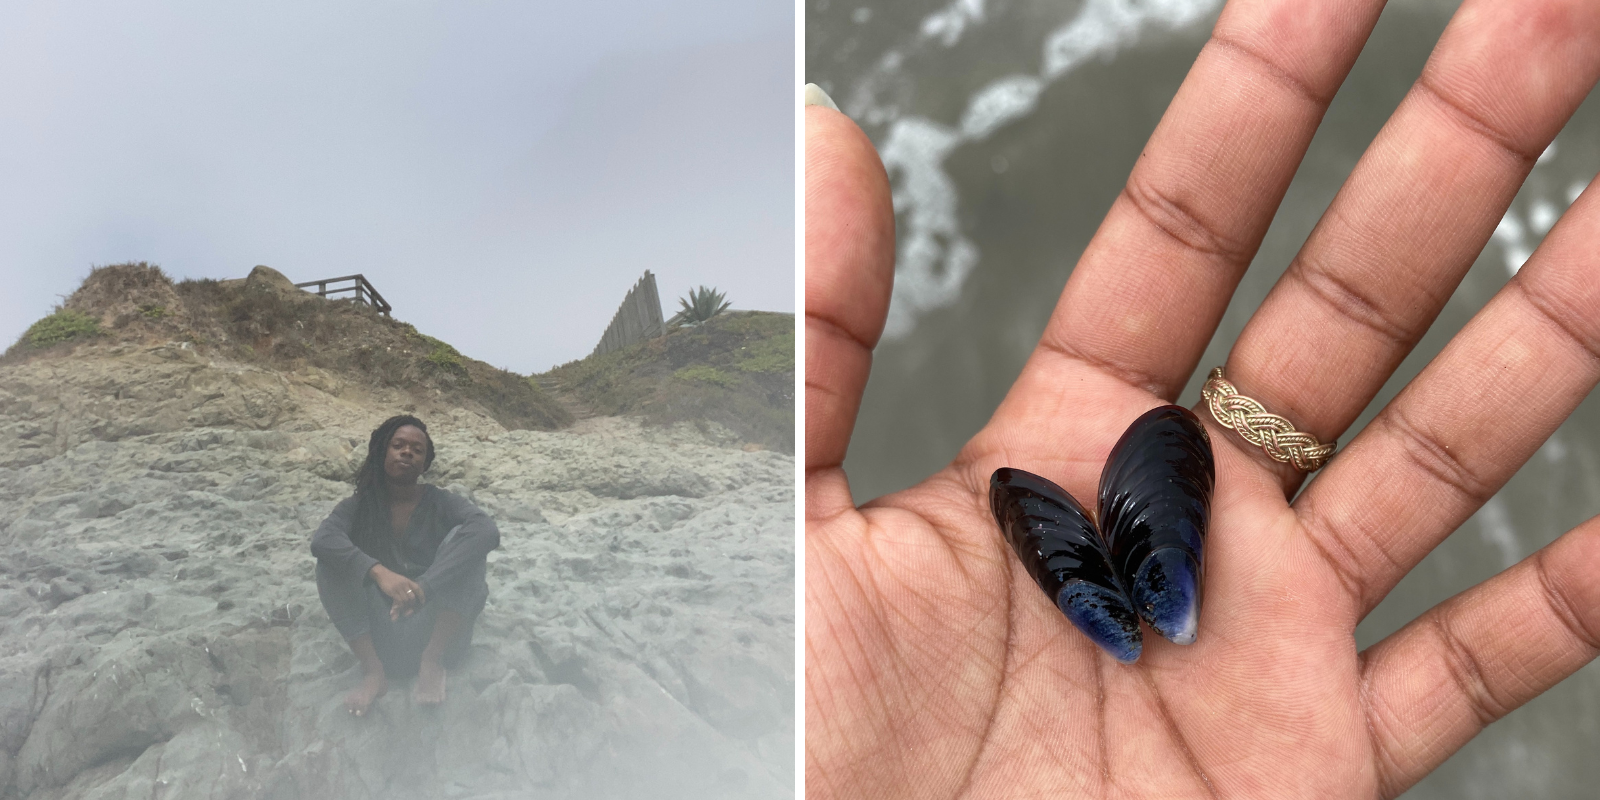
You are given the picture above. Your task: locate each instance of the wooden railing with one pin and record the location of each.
(638, 319)
(363, 289)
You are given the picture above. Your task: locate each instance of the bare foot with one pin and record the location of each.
(373, 686)
(429, 690)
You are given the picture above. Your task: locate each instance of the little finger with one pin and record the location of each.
(1434, 684)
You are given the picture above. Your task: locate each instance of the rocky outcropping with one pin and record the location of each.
(160, 633)
(263, 324)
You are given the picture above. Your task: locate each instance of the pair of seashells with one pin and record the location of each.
(1146, 558)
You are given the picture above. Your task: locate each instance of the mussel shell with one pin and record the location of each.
(1058, 544)
(1155, 495)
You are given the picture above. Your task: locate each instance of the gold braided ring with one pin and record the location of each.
(1270, 432)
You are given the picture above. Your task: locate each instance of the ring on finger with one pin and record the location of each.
(1276, 436)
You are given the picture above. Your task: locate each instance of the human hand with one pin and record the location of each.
(407, 594)
(935, 666)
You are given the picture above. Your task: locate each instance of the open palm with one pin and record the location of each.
(936, 668)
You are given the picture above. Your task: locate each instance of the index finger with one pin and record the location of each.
(1153, 283)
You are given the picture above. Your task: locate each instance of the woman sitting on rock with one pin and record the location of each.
(401, 567)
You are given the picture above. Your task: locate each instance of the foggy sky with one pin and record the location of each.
(502, 172)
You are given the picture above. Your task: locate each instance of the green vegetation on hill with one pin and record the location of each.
(735, 369)
(264, 319)
(62, 326)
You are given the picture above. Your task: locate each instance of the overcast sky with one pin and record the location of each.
(501, 171)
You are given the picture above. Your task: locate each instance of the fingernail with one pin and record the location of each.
(1166, 591)
(1104, 617)
(816, 97)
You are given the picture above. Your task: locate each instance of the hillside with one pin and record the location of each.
(732, 376)
(161, 472)
(263, 320)
(736, 371)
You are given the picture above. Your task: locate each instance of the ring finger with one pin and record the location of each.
(1415, 212)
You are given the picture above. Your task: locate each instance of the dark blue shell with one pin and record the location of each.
(1155, 501)
(1146, 559)
(1061, 549)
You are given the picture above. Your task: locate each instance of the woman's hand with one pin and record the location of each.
(406, 593)
(936, 668)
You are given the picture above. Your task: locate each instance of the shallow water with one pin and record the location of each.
(1009, 127)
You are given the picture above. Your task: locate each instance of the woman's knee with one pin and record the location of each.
(346, 606)
(468, 603)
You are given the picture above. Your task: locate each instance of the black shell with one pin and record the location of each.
(1155, 497)
(1155, 490)
(1050, 532)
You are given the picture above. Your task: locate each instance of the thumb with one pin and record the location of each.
(849, 274)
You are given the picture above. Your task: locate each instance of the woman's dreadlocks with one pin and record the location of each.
(369, 528)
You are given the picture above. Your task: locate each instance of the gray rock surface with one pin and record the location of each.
(160, 633)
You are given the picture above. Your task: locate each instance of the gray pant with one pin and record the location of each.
(362, 608)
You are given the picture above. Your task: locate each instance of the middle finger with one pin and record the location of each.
(1415, 212)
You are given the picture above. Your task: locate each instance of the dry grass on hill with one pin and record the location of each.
(264, 319)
